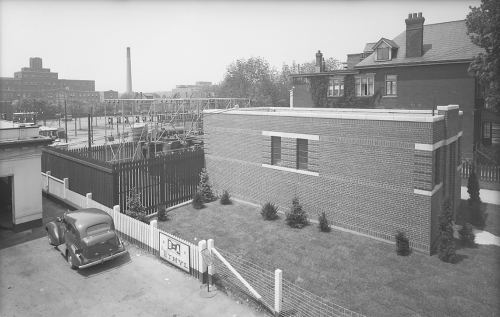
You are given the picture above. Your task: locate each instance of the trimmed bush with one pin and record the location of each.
(402, 243)
(473, 188)
(467, 235)
(476, 213)
(225, 199)
(135, 209)
(198, 201)
(445, 245)
(296, 217)
(323, 223)
(204, 187)
(269, 211)
(163, 214)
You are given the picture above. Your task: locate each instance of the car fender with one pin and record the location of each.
(72, 251)
(52, 231)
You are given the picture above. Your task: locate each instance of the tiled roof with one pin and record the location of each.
(443, 42)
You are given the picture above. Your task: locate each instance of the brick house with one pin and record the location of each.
(372, 171)
(423, 67)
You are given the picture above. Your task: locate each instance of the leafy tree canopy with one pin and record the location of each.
(483, 27)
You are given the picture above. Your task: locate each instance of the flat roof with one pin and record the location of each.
(342, 113)
(4, 124)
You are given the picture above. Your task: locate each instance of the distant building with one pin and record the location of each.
(110, 94)
(36, 79)
(200, 89)
(20, 167)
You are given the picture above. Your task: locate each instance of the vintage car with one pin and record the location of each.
(86, 237)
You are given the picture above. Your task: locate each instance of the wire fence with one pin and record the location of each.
(260, 279)
(300, 302)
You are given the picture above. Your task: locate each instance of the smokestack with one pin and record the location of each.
(129, 73)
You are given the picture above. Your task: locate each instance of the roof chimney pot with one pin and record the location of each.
(414, 15)
(420, 14)
(409, 15)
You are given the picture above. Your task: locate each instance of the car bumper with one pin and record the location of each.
(103, 259)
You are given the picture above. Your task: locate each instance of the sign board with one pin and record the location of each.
(174, 251)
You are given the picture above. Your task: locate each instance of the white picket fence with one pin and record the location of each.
(146, 236)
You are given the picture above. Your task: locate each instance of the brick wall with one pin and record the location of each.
(363, 173)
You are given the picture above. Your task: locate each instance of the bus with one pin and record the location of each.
(24, 117)
(54, 133)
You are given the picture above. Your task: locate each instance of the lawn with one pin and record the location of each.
(361, 274)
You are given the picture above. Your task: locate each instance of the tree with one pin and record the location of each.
(310, 67)
(445, 245)
(296, 217)
(204, 187)
(483, 27)
(251, 78)
(77, 108)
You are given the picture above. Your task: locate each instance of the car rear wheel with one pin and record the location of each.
(70, 261)
(48, 237)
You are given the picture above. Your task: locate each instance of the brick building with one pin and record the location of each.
(38, 81)
(371, 171)
(423, 67)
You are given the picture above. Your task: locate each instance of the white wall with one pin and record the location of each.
(25, 167)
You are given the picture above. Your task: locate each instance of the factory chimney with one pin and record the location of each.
(129, 73)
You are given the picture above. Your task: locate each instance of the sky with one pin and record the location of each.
(181, 42)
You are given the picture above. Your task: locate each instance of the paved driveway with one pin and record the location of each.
(35, 280)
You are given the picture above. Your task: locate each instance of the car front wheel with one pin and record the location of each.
(70, 261)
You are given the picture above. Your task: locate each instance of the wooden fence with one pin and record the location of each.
(162, 181)
(485, 173)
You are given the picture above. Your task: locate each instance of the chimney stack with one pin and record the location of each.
(415, 35)
(319, 59)
(129, 73)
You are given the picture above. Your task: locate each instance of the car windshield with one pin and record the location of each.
(100, 227)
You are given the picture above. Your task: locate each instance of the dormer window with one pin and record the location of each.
(385, 50)
(382, 53)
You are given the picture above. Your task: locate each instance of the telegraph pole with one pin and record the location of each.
(65, 122)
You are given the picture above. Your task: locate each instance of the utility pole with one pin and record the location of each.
(65, 122)
(90, 127)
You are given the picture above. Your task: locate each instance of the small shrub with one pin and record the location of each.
(445, 245)
(135, 209)
(204, 187)
(269, 211)
(296, 217)
(225, 198)
(198, 201)
(467, 235)
(473, 188)
(323, 223)
(163, 214)
(402, 244)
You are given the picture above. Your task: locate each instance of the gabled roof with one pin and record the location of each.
(443, 42)
(392, 44)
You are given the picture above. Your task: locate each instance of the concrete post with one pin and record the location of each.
(47, 181)
(210, 245)
(89, 198)
(66, 186)
(202, 267)
(153, 224)
(278, 291)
